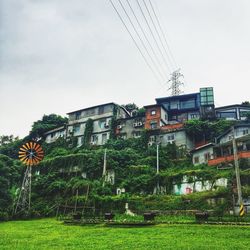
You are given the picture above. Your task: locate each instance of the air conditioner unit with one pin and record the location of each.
(119, 126)
(134, 124)
(106, 125)
(139, 124)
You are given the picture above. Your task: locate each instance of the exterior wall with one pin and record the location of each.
(197, 186)
(130, 127)
(153, 117)
(179, 137)
(101, 116)
(239, 132)
(54, 135)
(232, 112)
(203, 155)
(181, 108)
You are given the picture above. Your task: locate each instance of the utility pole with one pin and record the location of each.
(157, 168)
(157, 157)
(104, 166)
(237, 170)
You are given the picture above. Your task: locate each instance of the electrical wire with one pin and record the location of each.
(142, 42)
(160, 39)
(145, 36)
(137, 46)
(163, 34)
(153, 36)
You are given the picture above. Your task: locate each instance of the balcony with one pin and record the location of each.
(229, 158)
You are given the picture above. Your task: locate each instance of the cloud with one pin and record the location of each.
(59, 55)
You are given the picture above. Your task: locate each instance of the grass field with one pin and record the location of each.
(52, 234)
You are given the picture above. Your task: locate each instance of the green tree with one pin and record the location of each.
(88, 132)
(47, 123)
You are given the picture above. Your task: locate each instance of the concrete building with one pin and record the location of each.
(232, 112)
(202, 154)
(101, 116)
(222, 151)
(156, 116)
(130, 127)
(54, 134)
(190, 106)
(176, 134)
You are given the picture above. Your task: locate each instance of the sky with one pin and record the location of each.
(57, 56)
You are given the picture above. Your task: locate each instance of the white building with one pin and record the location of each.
(101, 116)
(54, 134)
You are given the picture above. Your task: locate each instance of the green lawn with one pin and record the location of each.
(52, 234)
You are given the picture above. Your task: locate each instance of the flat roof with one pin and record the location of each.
(169, 98)
(204, 146)
(233, 105)
(55, 130)
(109, 103)
(155, 105)
(230, 129)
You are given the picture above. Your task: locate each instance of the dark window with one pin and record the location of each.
(101, 110)
(231, 115)
(188, 104)
(78, 115)
(153, 124)
(196, 159)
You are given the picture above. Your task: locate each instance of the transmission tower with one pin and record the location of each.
(175, 82)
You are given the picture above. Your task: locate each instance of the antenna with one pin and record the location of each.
(175, 82)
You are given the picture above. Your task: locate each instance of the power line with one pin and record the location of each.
(159, 49)
(142, 42)
(145, 36)
(163, 34)
(156, 30)
(137, 46)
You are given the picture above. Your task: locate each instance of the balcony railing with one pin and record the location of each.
(224, 159)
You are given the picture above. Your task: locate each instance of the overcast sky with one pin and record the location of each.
(58, 56)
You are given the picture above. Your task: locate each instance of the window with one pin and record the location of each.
(152, 138)
(174, 105)
(104, 138)
(102, 123)
(188, 104)
(76, 128)
(79, 141)
(207, 96)
(78, 115)
(196, 159)
(245, 131)
(101, 110)
(207, 156)
(194, 116)
(171, 137)
(230, 115)
(136, 134)
(153, 125)
(94, 139)
(153, 112)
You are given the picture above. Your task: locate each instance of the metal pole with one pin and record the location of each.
(237, 169)
(104, 166)
(29, 167)
(104, 163)
(157, 168)
(157, 155)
